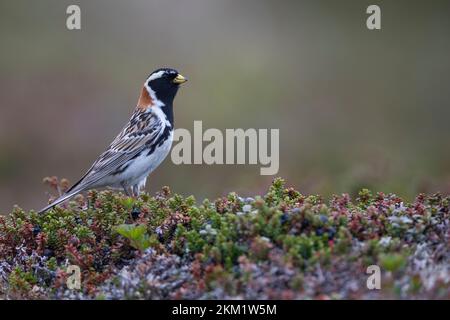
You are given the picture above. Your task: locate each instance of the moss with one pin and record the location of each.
(229, 245)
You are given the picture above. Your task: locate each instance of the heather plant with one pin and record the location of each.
(282, 245)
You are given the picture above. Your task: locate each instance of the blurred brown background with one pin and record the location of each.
(355, 108)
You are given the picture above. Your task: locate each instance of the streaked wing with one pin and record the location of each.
(142, 131)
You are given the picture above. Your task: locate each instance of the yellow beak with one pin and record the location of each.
(179, 79)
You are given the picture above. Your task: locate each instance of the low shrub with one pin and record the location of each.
(281, 245)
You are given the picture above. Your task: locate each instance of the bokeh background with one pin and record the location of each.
(355, 108)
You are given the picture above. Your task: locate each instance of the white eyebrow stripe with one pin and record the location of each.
(156, 75)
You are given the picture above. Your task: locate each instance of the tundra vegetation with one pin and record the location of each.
(281, 245)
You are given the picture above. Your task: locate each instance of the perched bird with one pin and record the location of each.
(142, 144)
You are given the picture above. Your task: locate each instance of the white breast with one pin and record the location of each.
(143, 165)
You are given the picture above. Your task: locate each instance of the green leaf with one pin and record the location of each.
(137, 234)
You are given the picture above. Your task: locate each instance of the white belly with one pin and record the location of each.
(141, 167)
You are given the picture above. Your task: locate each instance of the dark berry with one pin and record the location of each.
(98, 266)
(48, 253)
(36, 230)
(135, 213)
(305, 223)
(284, 218)
(331, 233)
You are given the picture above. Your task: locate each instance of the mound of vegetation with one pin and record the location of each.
(282, 245)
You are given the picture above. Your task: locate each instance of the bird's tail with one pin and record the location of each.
(64, 197)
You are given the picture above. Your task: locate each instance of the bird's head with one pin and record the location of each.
(160, 88)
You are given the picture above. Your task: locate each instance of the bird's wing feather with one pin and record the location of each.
(142, 130)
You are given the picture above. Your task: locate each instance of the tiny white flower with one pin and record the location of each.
(405, 220)
(385, 241)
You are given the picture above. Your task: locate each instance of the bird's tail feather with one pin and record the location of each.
(64, 197)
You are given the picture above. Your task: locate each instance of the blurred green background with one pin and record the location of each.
(355, 108)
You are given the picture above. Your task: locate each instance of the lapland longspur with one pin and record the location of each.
(142, 144)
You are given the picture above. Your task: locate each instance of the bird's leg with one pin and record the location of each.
(88, 202)
(135, 190)
(86, 196)
(136, 211)
(125, 189)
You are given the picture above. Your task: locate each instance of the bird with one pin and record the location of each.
(142, 144)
